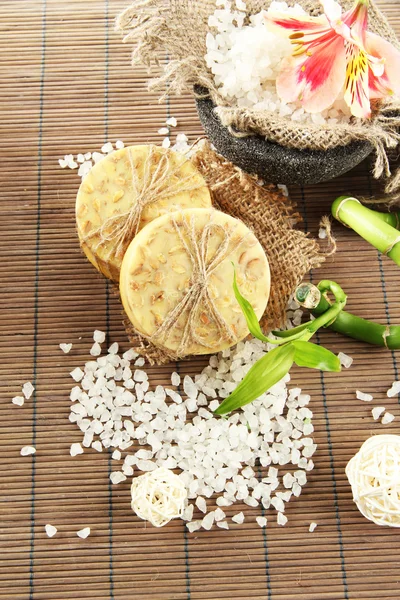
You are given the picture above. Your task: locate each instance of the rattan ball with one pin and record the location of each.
(374, 475)
(158, 496)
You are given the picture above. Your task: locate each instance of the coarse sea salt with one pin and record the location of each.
(377, 411)
(27, 390)
(50, 530)
(364, 397)
(312, 527)
(75, 449)
(83, 533)
(28, 450)
(394, 390)
(216, 457)
(345, 360)
(245, 58)
(387, 418)
(66, 348)
(18, 400)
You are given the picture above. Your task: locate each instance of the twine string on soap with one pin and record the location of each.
(198, 295)
(119, 230)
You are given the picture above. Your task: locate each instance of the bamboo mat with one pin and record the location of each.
(67, 86)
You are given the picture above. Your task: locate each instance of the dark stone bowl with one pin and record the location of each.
(275, 163)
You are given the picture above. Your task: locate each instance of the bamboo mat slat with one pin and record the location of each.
(66, 87)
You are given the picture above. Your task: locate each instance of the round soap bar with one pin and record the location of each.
(177, 281)
(125, 191)
(374, 476)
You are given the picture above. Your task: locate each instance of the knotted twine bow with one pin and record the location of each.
(198, 295)
(153, 187)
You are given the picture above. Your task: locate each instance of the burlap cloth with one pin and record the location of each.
(178, 29)
(272, 217)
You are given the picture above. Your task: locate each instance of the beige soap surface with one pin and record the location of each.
(177, 281)
(127, 190)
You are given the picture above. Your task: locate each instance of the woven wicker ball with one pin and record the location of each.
(374, 475)
(158, 496)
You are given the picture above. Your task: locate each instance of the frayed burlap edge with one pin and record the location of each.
(272, 217)
(178, 29)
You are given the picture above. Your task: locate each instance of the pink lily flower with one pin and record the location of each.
(335, 52)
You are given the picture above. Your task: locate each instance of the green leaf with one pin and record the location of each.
(296, 331)
(315, 357)
(262, 376)
(249, 314)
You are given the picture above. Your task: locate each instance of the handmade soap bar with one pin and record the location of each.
(177, 281)
(125, 191)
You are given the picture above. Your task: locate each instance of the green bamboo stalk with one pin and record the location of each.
(392, 219)
(357, 328)
(370, 225)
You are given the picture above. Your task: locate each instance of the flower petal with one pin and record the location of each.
(280, 22)
(332, 9)
(356, 93)
(316, 77)
(389, 82)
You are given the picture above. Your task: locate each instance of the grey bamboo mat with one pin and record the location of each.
(67, 86)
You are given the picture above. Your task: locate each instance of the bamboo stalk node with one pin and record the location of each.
(391, 246)
(339, 208)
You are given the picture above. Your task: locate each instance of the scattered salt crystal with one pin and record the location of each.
(387, 418)
(88, 155)
(394, 390)
(97, 446)
(364, 397)
(262, 521)
(50, 530)
(130, 355)
(66, 348)
(97, 157)
(140, 362)
(219, 515)
(166, 143)
(345, 360)
(116, 455)
(77, 374)
(27, 390)
(163, 131)
(312, 527)
(63, 163)
(28, 450)
(107, 148)
(322, 233)
(113, 349)
(377, 412)
(281, 519)
(127, 470)
(201, 504)
(239, 518)
(75, 449)
(18, 400)
(119, 144)
(222, 525)
(175, 379)
(83, 533)
(171, 121)
(208, 521)
(193, 526)
(146, 465)
(99, 336)
(117, 477)
(188, 513)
